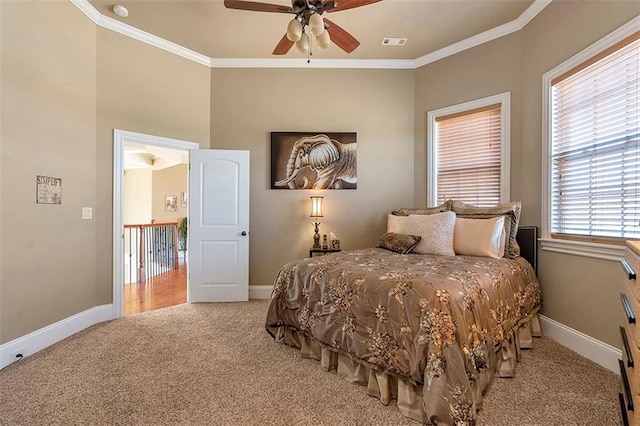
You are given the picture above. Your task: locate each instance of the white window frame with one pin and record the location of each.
(504, 99)
(580, 248)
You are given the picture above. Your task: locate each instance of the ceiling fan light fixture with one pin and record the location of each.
(294, 30)
(303, 44)
(324, 41)
(316, 24)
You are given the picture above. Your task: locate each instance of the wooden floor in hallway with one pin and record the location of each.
(159, 292)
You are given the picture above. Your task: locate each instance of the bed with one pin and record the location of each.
(427, 330)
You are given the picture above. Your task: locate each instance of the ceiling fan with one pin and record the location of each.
(307, 20)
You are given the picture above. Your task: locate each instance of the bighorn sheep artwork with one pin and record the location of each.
(313, 161)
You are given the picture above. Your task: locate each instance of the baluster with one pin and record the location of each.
(142, 273)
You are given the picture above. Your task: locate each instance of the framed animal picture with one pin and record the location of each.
(314, 160)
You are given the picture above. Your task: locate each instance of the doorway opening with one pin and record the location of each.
(150, 209)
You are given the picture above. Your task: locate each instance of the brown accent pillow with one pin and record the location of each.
(444, 207)
(398, 243)
(511, 211)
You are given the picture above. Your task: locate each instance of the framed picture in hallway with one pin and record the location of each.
(171, 203)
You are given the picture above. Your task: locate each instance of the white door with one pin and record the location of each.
(218, 243)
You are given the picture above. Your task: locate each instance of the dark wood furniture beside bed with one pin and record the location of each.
(322, 251)
(428, 331)
(630, 332)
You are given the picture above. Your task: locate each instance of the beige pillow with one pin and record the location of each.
(435, 231)
(397, 224)
(479, 237)
(511, 211)
(444, 207)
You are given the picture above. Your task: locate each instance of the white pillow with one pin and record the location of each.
(436, 232)
(397, 224)
(479, 237)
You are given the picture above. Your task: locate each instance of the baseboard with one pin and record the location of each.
(260, 291)
(53, 333)
(585, 345)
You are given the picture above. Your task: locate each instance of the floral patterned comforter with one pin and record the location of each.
(436, 320)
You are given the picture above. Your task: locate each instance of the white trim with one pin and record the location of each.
(504, 99)
(601, 251)
(583, 248)
(260, 292)
(585, 345)
(505, 29)
(407, 64)
(120, 137)
(53, 333)
(120, 27)
(137, 34)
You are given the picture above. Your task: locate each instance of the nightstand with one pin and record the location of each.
(322, 251)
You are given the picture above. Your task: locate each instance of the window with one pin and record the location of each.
(469, 152)
(593, 158)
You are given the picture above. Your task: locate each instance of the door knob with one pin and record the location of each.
(243, 233)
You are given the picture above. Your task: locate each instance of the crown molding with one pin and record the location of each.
(314, 63)
(112, 24)
(137, 34)
(510, 27)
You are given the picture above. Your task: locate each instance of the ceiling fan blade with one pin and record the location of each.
(350, 4)
(341, 38)
(283, 46)
(257, 6)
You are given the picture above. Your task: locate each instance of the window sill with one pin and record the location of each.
(580, 248)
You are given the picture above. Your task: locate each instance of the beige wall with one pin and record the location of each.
(48, 128)
(66, 84)
(142, 89)
(138, 191)
(580, 292)
(248, 104)
(169, 181)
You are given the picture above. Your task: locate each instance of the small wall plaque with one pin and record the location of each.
(48, 190)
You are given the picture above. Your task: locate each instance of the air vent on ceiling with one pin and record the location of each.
(394, 41)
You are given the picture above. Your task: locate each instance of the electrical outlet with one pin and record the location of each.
(18, 354)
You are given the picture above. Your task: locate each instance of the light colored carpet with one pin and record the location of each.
(213, 364)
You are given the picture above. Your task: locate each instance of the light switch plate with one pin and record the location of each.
(87, 213)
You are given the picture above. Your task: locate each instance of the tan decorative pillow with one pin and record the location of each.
(436, 231)
(511, 211)
(397, 224)
(480, 237)
(444, 207)
(399, 243)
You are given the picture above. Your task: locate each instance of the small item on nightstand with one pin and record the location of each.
(335, 242)
(324, 242)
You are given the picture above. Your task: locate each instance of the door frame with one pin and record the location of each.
(120, 138)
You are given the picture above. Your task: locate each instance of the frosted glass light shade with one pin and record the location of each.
(294, 30)
(324, 40)
(316, 24)
(316, 206)
(303, 44)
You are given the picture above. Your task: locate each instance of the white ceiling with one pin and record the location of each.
(143, 156)
(210, 29)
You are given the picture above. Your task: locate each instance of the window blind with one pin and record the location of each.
(469, 156)
(595, 164)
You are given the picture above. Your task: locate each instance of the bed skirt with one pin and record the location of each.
(409, 395)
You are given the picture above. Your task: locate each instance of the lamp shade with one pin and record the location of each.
(316, 24)
(316, 206)
(324, 40)
(303, 44)
(294, 30)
